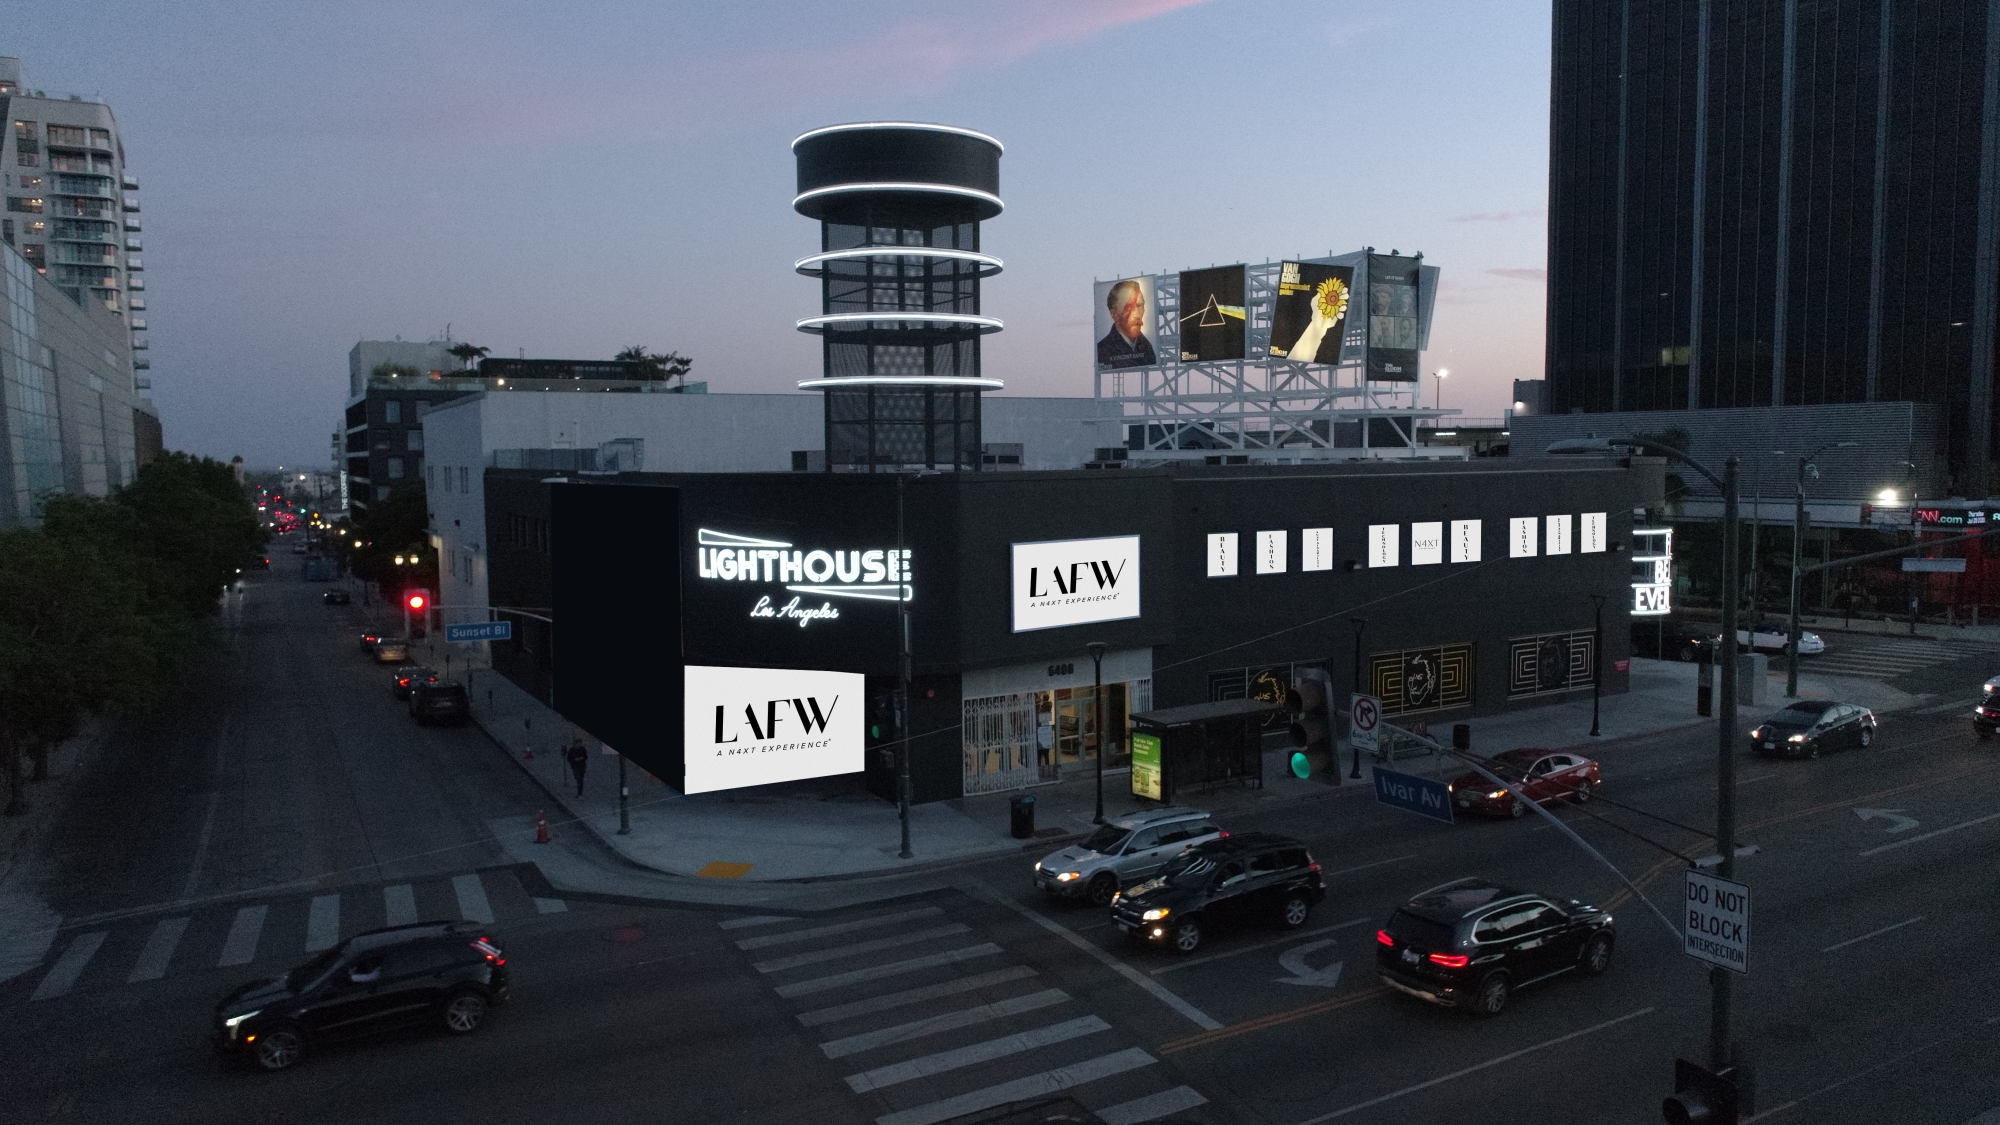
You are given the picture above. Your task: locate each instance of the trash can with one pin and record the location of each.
(1022, 810)
(1461, 736)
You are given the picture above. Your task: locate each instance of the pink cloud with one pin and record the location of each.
(1536, 276)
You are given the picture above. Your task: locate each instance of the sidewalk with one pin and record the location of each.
(829, 832)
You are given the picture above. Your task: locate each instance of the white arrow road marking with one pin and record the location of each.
(1293, 961)
(1902, 823)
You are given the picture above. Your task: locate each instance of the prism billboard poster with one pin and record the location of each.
(1309, 316)
(762, 726)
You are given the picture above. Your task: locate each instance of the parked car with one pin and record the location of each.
(369, 640)
(1544, 775)
(1128, 850)
(335, 597)
(447, 973)
(1986, 716)
(1807, 728)
(1673, 640)
(439, 701)
(263, 562)
(391, 652)
(408, 677)
(1252, 877)
(1473, 943)
(1775, 636)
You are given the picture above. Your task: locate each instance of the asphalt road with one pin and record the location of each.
(289, 798)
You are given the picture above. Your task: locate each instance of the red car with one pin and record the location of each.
(1544, 775)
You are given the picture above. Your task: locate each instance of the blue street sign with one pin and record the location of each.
(479, 631)
(1419, 795)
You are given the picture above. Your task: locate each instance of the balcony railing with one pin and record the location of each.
(85, 254)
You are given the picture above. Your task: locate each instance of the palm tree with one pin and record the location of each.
(657, 366)
(467, 353)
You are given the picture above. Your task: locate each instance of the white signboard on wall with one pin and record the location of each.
(1316, 548)
(1593, 533)
(1521, 537)
(1557, 541)
(1384, 541)
(1271, 552)
(1426, 543)
(1077, 581)
(761, 726)
(1465, 541)
(1222, 555)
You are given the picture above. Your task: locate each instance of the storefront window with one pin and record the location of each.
(1031, 738)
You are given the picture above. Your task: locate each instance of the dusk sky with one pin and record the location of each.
(566, 179)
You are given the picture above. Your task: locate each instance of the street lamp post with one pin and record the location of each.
(1097, 660)
(1437, 403)
(1359, 624)
(1596, 660)
(1720, 980)
(1798, 536)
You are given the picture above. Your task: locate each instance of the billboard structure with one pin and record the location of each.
(1301, 359)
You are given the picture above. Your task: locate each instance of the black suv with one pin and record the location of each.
(439, 701)
(1255, 876)
(1471, 943)
(1673, 640)
(448, 973)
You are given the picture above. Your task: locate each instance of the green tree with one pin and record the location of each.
(657, 366)
(399, 525)
(468, 353)
(194, 524)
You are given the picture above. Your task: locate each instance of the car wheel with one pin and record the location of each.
(1867, 737)
(1596, 955)
(1517, 808)
(1491, 999)
(1295, 912)
(1582, 791)
(1101, 888)
(279, 1048)
(1812, 749)
(464, 1012)
(1186, 936)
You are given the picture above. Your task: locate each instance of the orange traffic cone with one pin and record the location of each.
(542, 828)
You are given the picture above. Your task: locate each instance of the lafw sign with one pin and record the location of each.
(1075, 582)
(797, 582)
(761, 726)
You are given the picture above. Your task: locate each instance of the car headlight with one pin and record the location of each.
(1756, 732)
(1038, 866)
(234, 1022)
(1496, 794)
(1796, 738)
(1155, 915)
(1069, 875)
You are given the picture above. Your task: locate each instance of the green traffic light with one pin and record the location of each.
(1301, 766)
(874, 731)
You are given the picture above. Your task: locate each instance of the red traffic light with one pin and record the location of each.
(415, 601)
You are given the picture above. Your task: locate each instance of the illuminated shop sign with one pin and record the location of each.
(761, 726)
(1075, 582)
(804, 578)
(1955, 517)
(1652, 571)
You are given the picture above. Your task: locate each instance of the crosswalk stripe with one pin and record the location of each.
(858, 948)
(893, 968)
(976, 1053)
(949, 1021)
(70, 965)
(400, 904)
(323, 923)
(756, 920)
(895, 1000)
(551, 906)
(240, 947)
(159, 950)
(1034, 1085)
(765, 941)
(1152, 1107)
(472, 904)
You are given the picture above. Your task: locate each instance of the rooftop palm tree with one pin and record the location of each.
(468, 353)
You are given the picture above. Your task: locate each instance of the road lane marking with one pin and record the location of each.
(755, 920)
(948, 1021)
(1872, 934)
(839, 952)
(75, 958)
(400, 904)
(240, 947)
(1475, 1068)
(472, 904)
(1366, 866)
(973, 1054)
(159, 950)
(1758, 778)
(1933, 834)
(1158, 991)
(551, 906)
(766, 940)
(1152, 1107)
(1189, 964)
(1034, 1085)
(208, 818)
(877, 972)
(1275, 1019)
(893, 1000)
(323, 923)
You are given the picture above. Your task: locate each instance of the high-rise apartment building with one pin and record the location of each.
(72, 208)
(1778, 203)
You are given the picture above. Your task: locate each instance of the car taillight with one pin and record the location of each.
(1451, 960)
(1383, 937)
(1313, 867)
(1222, 834)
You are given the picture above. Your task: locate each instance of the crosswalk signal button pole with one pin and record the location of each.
(1701, 1096)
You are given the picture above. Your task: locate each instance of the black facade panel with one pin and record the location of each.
(891, 155)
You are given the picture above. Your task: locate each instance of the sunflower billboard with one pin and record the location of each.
(1309, 316)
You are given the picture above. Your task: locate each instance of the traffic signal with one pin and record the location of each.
(1701, 1096)
(1311, 727)
(416, 600)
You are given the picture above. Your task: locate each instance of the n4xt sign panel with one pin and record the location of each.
(760, 726)
(1075, 582)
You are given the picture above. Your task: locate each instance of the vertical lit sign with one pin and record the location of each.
(1146, 772)
(1465, 541)
(1222, 555)
(1316, 548)
(1271, 552)
(1652, 571)
(1557, 541)
(1426, 544)
(1593, 534)
(1521, 537)
(1383, 544)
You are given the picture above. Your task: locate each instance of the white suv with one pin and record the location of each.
(1124, 851)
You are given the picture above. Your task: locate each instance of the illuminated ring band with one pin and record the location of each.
(836, 383)
(939, 189)
(813, 266)
(923, 125)
(859, 321)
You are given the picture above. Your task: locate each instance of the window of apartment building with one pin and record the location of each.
(392, 411)
(428, 482)
(414, 439)
(381, 492)
(100, 138)
(30, 183)
(28, 159)
(395, 468)
(26, 204)
(71, 135)
(465, 480)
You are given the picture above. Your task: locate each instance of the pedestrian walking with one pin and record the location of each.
(579, 760)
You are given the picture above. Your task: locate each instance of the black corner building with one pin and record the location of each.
(1779, 203)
